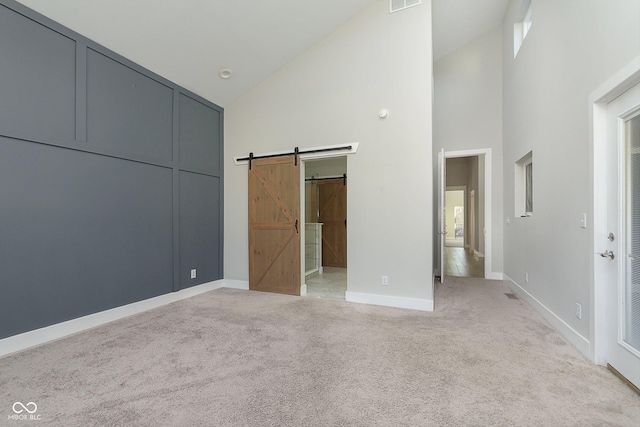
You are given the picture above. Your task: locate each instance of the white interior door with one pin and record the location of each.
(619, 246)
(442, 226)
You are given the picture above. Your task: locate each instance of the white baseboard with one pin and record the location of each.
(390, 301)
(303, 289)
(573, 336)
(492, 275)
(49, 333)
(235, 284)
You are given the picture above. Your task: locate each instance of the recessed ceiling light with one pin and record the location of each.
(225, 73)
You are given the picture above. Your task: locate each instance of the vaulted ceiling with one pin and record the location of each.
(190, 41)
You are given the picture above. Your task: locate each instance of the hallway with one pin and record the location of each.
(460, 262)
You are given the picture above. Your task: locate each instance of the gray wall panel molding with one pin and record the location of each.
(37, 85)
(81, 93)
(176, 192)
(127, 111)
(198, 134)
(81, 233)
(199, 228)
(97, 208)
(98, 151)
(201, 171)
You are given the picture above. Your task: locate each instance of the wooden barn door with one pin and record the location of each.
(274, 225)
(333, 216)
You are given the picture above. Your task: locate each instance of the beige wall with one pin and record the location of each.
(331, 94)
(572, 48)
(468, 116)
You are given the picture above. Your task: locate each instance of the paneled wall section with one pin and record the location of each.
(111, 180)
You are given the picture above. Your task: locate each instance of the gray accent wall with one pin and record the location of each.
(111, 180)
(128, 113)
(37, 80)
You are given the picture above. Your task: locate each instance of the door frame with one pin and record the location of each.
(303, 160)
(615, 86)
(488, 171)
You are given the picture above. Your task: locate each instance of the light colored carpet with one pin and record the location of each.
(239, 358)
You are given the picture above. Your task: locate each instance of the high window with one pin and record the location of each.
(521, 28)
(398, 5)
(524, 185)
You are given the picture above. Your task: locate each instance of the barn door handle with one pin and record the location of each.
(345, 223)
(296, 226)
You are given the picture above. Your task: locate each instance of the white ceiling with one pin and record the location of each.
(189, 41)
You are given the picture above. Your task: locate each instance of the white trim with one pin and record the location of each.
(613, 87)
(303, 228)
(494, 276)
(573, 336)
(243, 285)
(303, 212)
(323, 155)
(390, 301)
(488, 190)
(60, 330)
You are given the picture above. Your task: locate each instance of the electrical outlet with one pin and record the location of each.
(385, 280)
(526, 277)
(578, 311)
(193, 273)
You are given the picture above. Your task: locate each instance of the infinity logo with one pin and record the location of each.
(25, 408)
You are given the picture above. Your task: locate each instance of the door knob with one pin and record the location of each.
(607, 254)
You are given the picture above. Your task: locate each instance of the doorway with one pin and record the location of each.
(616, 234)
(325, 247)
(463, 215)
(455, 212)
(277, 216)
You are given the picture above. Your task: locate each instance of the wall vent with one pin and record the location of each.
(398, 5)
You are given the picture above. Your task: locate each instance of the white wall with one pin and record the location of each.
(335, 166)
(331, 94)
(468, 115)
(572, 48)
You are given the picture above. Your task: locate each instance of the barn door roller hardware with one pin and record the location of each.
(344, 178)
(296, 152)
